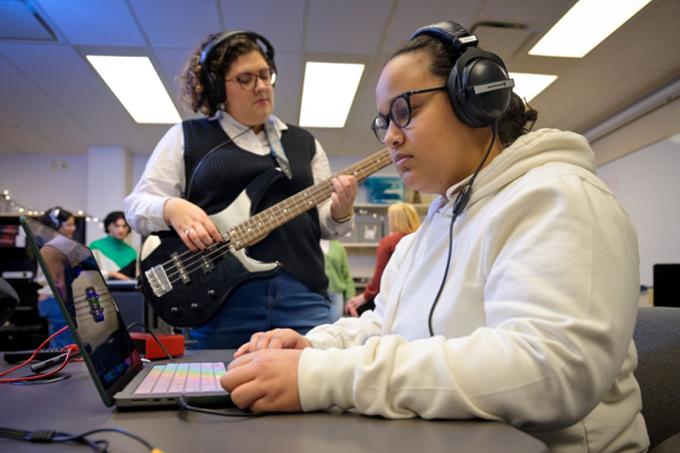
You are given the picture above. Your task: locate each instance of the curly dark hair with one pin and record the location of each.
(517, 121)
(221, 58)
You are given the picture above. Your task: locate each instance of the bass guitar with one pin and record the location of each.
(187, 289)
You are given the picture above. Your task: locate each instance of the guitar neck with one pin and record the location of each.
(258, 226)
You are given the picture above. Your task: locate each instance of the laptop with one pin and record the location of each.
(98, 328)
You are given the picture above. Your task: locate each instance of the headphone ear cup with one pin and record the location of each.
(478, 68)
(214, 85)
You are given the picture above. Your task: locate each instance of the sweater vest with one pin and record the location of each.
(217, 171)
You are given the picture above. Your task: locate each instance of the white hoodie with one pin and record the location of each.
(534, 325)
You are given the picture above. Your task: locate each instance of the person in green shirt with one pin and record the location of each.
(115, 257)
(340, 283)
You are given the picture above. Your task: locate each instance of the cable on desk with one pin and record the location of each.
(68, 350)
(139, 324)
(231, 412)
(50, 436)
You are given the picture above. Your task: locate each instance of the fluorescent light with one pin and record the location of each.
(138, 87)
(328, 92)
(528, 86)
(585, 26)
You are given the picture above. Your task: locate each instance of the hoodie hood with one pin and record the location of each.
(545, 146)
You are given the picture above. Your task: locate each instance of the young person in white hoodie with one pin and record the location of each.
(516, 298)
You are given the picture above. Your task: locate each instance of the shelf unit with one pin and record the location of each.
(361, 252)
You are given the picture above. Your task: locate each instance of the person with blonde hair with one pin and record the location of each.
(402, 219)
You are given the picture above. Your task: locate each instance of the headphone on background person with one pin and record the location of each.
(54, 217)
(213, 81)
(478, 85)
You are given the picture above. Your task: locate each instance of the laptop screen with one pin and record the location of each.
(77, 283)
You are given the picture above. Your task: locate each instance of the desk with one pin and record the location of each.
(74, 406)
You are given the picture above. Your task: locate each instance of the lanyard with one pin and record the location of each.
(277, 150)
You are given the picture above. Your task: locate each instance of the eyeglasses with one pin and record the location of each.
(399, 113)
(248, 80)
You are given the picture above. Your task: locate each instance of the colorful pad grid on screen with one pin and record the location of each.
(183, 378)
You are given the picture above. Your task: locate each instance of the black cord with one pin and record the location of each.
(51, 436)
(190, 183)
(458, 206)
(231, 412)
(139, 324)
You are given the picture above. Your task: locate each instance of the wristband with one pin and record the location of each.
(342, 220)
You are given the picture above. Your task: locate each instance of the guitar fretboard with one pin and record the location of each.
(258, 226)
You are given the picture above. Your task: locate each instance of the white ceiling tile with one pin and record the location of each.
(54, 102)
(364, 109)
(504, 41)
(171, 63)
(410, 16)
(28, 103)
(169, 23)
(289, 86)
(334, 26)
(94, 22)
(535, 14)
(70, 83)
(281, 22)
(18, 21)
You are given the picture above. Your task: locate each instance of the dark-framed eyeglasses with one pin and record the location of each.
(248, 80)
(399, 113)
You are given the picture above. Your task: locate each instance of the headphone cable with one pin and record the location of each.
(458, 206)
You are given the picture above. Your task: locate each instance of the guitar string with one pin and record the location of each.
(298, 202)
(269, 220)
(201, 257)
(377, 155)
(380, 162)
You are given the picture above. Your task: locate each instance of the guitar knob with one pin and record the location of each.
(194, 306)
(211, 293)
(174, 310)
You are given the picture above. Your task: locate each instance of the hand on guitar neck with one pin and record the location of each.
(342, 198)
(191, 223)
(197, 231)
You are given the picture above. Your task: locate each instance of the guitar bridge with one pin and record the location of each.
(158, 280)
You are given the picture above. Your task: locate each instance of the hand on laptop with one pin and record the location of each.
(265, 381)
(274, 339)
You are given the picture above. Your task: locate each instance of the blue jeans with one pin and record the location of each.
(337, 305)
(50, 310)
(259, 305)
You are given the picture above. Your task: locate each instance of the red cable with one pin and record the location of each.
(68, 349)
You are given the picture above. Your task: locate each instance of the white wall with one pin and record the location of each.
(647, 183)
(40, 182)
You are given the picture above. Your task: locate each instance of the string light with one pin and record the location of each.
(9, 205)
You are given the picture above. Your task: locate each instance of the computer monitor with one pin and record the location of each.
(667, 285)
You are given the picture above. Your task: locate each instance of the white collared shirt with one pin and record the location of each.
(164, 176)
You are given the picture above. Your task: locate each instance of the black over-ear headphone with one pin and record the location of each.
(478, 85)
(53, 215)
(213, 81)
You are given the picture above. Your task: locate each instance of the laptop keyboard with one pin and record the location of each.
(183, 378)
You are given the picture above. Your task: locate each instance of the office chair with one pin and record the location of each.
(657, 338)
